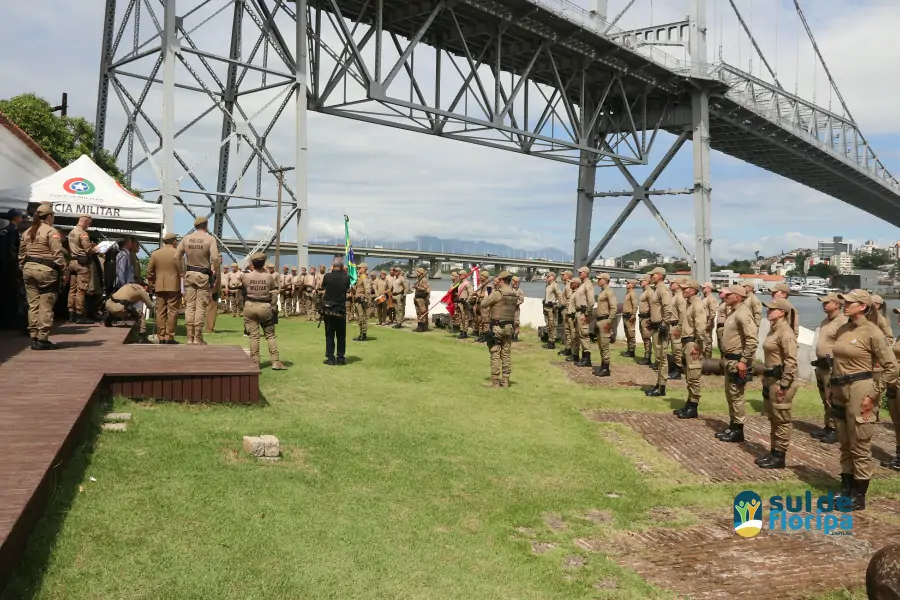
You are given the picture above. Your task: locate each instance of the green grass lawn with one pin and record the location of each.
(403, 477)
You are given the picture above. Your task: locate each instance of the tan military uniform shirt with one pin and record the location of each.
(780, 348)
(133, 293)
(694, 323)
(584, 297)
(722, 314)
(399, 286)
(464, 291)
(644, 301)
(362, 290)
(235, 280)
(47, 244)
(711, 303)
(565, 295)
(606, 303)
(261, 287)
(164, 270)
(79, 242)
(679, 307)
(287, 282)
(740, 335)
(630, 306)
(885, 326)
(200, 250)
(860, 347)
(551, 294)
(661, 304)
(380, 286)
(501, 303)
(756, 308)
(571, 307)
(828, 334)
(422, 286)
(793, 319)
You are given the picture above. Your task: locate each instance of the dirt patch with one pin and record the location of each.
(606, 584)
(590, 544)
(526, 531)
(233, 457)
(693, 445)
(573, 562)
(632, 375)
(709, 561)
(541, 547)
(598, 516)
(554, 522)
(663, 514)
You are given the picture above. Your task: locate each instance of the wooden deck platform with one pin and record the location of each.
(45, 399)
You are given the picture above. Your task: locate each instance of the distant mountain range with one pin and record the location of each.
(435, 244)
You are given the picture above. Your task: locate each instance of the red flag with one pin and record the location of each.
(448, 300)
(448, 297)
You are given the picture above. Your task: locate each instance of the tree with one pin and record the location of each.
(822, 270)
(795, 273)
(741, 267)
(64, 138)
(876, 259)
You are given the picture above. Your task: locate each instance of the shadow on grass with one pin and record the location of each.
(62, 487)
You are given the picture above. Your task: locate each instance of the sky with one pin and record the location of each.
(399, 184)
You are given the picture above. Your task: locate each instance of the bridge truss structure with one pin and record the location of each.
(538, 77)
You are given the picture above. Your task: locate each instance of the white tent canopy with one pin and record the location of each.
(84, 188)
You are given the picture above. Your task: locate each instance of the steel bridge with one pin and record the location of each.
(538, 77)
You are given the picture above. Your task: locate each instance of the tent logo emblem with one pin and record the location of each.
(79, 186)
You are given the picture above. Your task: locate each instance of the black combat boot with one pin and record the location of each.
(894, 463)
(675, 374)
(764, 458)
(142, 339)
(602, 370)
(848, 484)
(462, 335)
(565, 352)
(657, 392)
(736, 434)
(816, 435)
(43, 345)
(860, 487)
(585, 360)
(644, 361)
(572, 357)
(773, 461)
(358, 338)
(515, 337)
(79, 319)
(34, 344)
(727, 431)
(329, 361)
(830, 437)
(549, 346)
(688, 412)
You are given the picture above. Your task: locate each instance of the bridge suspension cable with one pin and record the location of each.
(755, 45)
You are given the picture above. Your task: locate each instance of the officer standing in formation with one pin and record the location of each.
(584, 305)
(521, 295)
(564, 297)
(202, 260)
(893, 400)
(501, 303)
(164, 273)
(834, 318)
(44, 271)
(286, 285)
(721, 316)
(551, 302)
(679, 309)
(693, 342)
(421, 296)
(781, 291)
(81, 250)
(399, 289)
(572, 324)
(661, 318)
(858, 348)
(261, 309)
(464, 307)
(605, 314)
(644, 317)
(362, 299)
(740, 338)
(711, 303)
(629, 317)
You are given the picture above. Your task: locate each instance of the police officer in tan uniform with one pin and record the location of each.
(421, 296)
(721, 316)
(551, 302)
(236, 290)
(565, 296)
(286, 287)
(859, 347)
(379, 285)
(400, 288)
(780, 291)
(693, 342)
(629, 317)
(834, 318)
(43, 270)
(711, 302)
(780, 380)
(679, 308)
(261, 309)
(893, 401)
(605, 314)
(584, 305)
(501, 304)
(164, 272)
(662, 316)
(753, 303)
(879, 317)
(362, 298)
(464, 308)
(202, 262)
(521, 295)
(644, 320)
(81, 250)
(740, 339)
(123, 305)
(572, 317)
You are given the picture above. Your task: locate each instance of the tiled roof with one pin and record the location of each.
(6, 123)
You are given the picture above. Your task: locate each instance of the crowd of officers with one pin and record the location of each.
(854, 364)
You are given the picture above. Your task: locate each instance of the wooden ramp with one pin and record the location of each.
(45, 397)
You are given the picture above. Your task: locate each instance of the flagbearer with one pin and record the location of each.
(463, 306)
(362, 298)
(454, 300)
(422, 293)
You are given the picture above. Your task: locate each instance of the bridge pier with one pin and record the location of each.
(434, 266)
(410, 267)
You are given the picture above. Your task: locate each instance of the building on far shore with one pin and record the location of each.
(835, 246)
(761, 281)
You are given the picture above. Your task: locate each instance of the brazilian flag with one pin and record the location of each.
(349, 259)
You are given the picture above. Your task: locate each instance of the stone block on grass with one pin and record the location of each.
(114, 417)
(254, 445)
(272, 446)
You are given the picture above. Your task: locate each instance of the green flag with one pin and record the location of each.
(348, 252)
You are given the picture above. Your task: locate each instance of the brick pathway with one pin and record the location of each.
(710, 561)
(692, 443)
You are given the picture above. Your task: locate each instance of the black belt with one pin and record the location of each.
(675, 322)
(83, 260)
(845, 379)
(263, 300)
(774, 371)
(627, 315)
(644, 315)
(43, 261)
(203, 270)
(602, 317)
(502, 323)
(654, 325)
(688, 339)
(730, 356)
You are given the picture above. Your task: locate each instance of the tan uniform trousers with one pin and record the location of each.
(421, 310)
(779, 413)
(660, 350)
(79, 283)
(362, 316)
(212, 312)
(41, 291)
(311, 308)
(566, 338)
(854, 433)
(582, 332)
(550, 322)
(677, 346)
(604, 328)
(693, 361)
(399, 307)
(720, 332)
(516, 323)
(501, 365)
(571, 330)
(894, 409)
(629, 332)
(286, 304)
(258, 315)
(463, 310)
(167, 305)
(708, 339)
(646, 336)
(734, 394)
(196, 296)
(823, 376)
